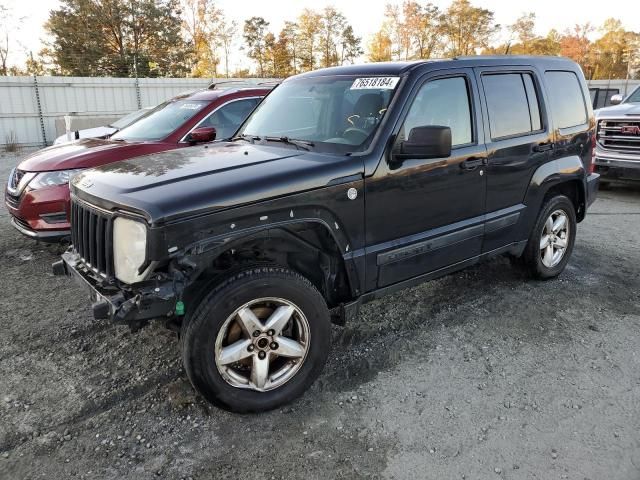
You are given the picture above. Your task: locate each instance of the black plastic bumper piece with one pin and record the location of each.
(153, 299)
(59, 268)
(629, 175)
(593, 181)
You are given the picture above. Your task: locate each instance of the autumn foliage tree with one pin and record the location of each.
(613, 55)
(522, 39)
(118, 38)
(199, 20)
(466, 28)
(414, 31)
(380, 45)
(255, 33)
(316, 39)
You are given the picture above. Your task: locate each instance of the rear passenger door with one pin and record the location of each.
(518, 140)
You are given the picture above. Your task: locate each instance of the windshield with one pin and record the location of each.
(634, 97)
(334, 114)
(129, 119)
(161, 121)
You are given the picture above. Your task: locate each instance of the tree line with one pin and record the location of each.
(315, 39)
(415, 30)
(178, 38)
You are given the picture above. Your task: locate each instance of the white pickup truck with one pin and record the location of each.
(617, 152)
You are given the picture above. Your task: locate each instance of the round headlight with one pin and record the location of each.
(129, 249)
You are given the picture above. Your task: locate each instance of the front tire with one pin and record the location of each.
(258, 340)
(551, 241)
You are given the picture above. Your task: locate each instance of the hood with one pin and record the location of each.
(621, 110)
(96, 132)
(197, 180)
(90, 152)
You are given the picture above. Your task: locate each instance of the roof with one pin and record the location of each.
(209, 95)
(399, 68)
(376, 68)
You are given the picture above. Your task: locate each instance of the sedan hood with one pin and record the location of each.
(91, 152)
(621, 110)
(196, 180)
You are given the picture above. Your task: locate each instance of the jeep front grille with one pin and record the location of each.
(619, 135)
(92, 237)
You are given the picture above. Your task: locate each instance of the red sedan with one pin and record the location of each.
(37, 193)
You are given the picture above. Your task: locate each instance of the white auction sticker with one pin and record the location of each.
(388, 83)
(190, 106)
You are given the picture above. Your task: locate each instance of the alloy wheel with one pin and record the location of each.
(554, 239)
(262, 344)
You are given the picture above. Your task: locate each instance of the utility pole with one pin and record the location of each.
(136, 81)
(39, 104)
(626, 80)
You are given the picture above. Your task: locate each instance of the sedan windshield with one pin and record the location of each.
(129, 119)
(161, 121)
(333, 114)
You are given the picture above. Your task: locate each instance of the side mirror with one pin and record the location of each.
(616, 99)
(202, 134)
(433, 141)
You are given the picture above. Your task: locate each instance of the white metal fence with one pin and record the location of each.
(29, 106)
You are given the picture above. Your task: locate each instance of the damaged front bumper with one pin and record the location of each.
(133, 306)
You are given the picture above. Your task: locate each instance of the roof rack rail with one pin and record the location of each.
(214, 85)
(241, 83)
(270, 83)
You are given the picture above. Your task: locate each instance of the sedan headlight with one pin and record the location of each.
(51, 179)
(129, 249)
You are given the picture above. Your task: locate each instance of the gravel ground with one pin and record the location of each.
(479, 375)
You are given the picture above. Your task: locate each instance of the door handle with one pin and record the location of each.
(472, 163)
(543, 147)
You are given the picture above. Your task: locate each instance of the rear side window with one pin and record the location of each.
(567, 102)
(512, 104)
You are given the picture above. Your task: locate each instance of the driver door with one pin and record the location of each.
(422, 214)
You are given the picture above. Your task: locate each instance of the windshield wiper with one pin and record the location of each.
(245, 137)
(304, 144)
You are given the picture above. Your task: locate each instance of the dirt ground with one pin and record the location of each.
(479, 375)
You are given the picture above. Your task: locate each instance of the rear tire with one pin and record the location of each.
(258, 340)
(551, 241)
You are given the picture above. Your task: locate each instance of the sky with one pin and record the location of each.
(365, 16)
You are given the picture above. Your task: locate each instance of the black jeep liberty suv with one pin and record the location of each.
(343, 185)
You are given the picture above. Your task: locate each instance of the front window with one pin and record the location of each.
(161, 121)
(228, 118)
(334, 114)
(634, 97)
(443, 102)
(129, 119)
